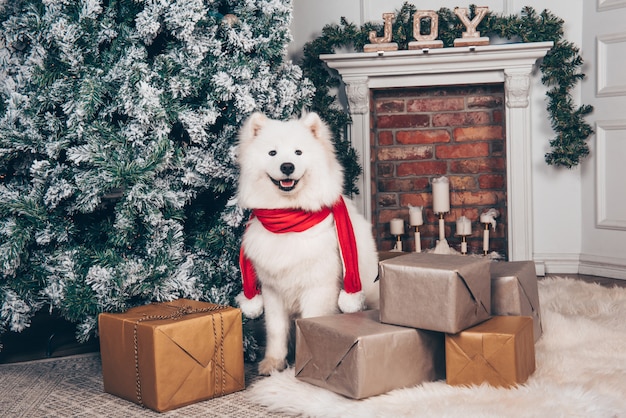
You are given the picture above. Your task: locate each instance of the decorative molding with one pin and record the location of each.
(358, 95)
(603, 55)
(516, 87)
(511, 64)
(603, 219)
(610, 4)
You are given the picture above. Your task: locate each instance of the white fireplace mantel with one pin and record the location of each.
(511, 64)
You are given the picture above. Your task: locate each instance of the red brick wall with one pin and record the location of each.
(423, 133)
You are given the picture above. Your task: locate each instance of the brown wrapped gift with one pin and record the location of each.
(500, 352)
(386, 255)
(445, 293)
(514, 291)
(187, 351)
(357, 356)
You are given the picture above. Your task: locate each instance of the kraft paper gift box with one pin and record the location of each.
(357, 356)
(446, 293)
(167, 355)
(386, 255)
(500, 352)
(514, 291)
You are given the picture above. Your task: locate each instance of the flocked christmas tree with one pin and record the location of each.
(118, 125)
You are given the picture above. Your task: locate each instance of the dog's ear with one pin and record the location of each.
(315, 124)
(253, 125)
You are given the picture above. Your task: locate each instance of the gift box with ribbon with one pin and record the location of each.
(171, 354)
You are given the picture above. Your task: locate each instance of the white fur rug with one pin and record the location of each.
(581, 371)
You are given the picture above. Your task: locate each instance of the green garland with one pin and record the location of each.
(560, 71)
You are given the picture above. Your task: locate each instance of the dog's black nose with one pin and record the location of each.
(287, 168)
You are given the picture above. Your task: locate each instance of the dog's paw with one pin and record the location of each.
(269, 364)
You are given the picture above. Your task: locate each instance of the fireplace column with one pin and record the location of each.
(358, 94)
(519, 158)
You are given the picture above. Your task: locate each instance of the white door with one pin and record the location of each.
(604, 172)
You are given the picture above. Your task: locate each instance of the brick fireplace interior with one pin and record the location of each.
(421, 133)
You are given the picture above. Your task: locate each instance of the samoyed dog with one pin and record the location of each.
(306, 250)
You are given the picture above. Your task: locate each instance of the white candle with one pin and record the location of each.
(415, 215)
(441, 195)
(463, 226)
(396, 225)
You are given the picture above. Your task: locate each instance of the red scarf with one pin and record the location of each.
(280, 221)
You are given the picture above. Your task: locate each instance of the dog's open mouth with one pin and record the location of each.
(286, 185)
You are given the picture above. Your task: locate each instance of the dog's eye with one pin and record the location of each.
(298, 152)
(272, 153)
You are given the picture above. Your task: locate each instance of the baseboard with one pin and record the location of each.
(595, 265)
(540, 268)
(556, 263)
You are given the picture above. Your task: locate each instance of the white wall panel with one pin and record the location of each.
(610, 4)
(611, 174)
(611, 77)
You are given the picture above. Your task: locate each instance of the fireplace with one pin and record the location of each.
(510, 65)
(419, 133)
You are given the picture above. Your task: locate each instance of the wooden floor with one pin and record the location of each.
(50, 336)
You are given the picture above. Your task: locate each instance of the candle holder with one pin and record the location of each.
(486, 239)
(487, 218)
(397, 248)
(463, 229)
(442, 227)
(415, 220)
(463, 244)
(418, 240)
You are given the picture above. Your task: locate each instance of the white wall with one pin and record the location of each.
(557, 191)
(309, 17)
(558, 201)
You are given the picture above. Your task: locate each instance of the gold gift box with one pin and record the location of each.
(514, 291)
(167, 355)
(445, 293)
(500, 352)
(357, 356)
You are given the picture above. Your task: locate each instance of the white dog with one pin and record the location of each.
(311, 251)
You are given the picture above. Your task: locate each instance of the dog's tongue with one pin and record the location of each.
(287, 183)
